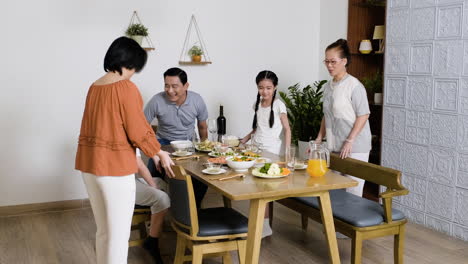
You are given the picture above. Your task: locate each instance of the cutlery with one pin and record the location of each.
(230, 177)
(188, 157)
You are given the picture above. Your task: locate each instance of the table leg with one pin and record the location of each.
(329, 226)
(254, 235)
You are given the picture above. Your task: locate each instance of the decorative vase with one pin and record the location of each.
(378, 98)
(196, 58)
(137, 38)
(365, 47)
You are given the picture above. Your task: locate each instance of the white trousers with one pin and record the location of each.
(358, 189)
(112, 200)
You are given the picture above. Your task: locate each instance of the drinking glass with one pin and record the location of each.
(290, 157)
(195, 141)
(212, 127)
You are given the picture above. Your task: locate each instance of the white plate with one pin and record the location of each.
(256, 173)
(203, 150)
(270, 177)
(208, 171)
(212, 154)
(181, 154)
(300, 167)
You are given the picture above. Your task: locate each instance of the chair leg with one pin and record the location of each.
(180, 250)
(304, 221)
(270, 213)
(227, 202)
(197, 254)
(241, 250)
(356, 250)
(227, 257)
(398, 245)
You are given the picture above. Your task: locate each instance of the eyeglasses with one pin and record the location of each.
(331, 62)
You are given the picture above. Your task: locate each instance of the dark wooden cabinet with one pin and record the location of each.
(362, 19)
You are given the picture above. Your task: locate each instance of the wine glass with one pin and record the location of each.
(212, 127)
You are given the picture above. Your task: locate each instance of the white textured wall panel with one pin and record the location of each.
(425, 119)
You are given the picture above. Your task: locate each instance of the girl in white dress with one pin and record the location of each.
(269, 124)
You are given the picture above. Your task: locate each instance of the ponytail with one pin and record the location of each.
(272, 114)
(254, 124)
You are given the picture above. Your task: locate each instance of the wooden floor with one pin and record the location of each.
(68, 237)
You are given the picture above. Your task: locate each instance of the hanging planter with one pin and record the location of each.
(197, 54)
(138, 32)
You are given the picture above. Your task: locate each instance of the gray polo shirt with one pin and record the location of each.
(176, 122)
(343, 102)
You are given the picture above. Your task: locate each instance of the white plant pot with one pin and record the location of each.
(378, 98)
(137, 38)
(303, 146)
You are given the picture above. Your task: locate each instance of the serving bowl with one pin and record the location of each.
(181, 145)
(240, 165)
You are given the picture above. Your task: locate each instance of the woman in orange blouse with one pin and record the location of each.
(113, 125)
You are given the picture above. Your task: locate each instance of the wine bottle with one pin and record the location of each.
(221, 120)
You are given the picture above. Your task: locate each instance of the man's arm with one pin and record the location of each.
(203, 130)
(145, 173)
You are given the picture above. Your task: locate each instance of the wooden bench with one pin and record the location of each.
(357, 217)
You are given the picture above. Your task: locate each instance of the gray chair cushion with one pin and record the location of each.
(221, 221)
(352, 209)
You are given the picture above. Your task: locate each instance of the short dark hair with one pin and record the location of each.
(177, 72)
(342, 46)
(125, 52)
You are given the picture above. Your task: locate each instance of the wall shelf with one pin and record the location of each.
(194, 63)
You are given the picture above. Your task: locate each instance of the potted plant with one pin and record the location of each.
(137, 32)
(375, 84)
(195, 53)
(304, 112)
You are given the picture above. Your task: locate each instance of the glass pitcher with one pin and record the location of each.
(319, 159)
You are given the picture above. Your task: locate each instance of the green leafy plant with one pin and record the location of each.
(374, 83)
(137, 30)
(304, 110)
(195, 51)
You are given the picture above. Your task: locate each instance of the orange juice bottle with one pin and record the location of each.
(317, 167)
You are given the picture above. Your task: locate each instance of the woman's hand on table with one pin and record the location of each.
(346, 148)
(166, 162)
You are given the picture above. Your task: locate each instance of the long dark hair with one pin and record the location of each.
(342, 46)
(265, 75)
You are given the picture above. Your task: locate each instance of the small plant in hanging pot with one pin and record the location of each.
(196, 53)
(137, 32)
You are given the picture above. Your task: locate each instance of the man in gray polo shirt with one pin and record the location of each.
(176, 110)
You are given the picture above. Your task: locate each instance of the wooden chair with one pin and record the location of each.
(357, 217)
(205, 232)
(141, 214)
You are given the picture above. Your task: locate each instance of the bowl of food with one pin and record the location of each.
(240, 163)
(181, 145)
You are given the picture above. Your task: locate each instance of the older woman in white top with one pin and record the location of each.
(346, 110)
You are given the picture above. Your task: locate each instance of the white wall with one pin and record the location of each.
(53, 50)
(333, 26)
(425, 118)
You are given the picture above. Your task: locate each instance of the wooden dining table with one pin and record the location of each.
(260, 191)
